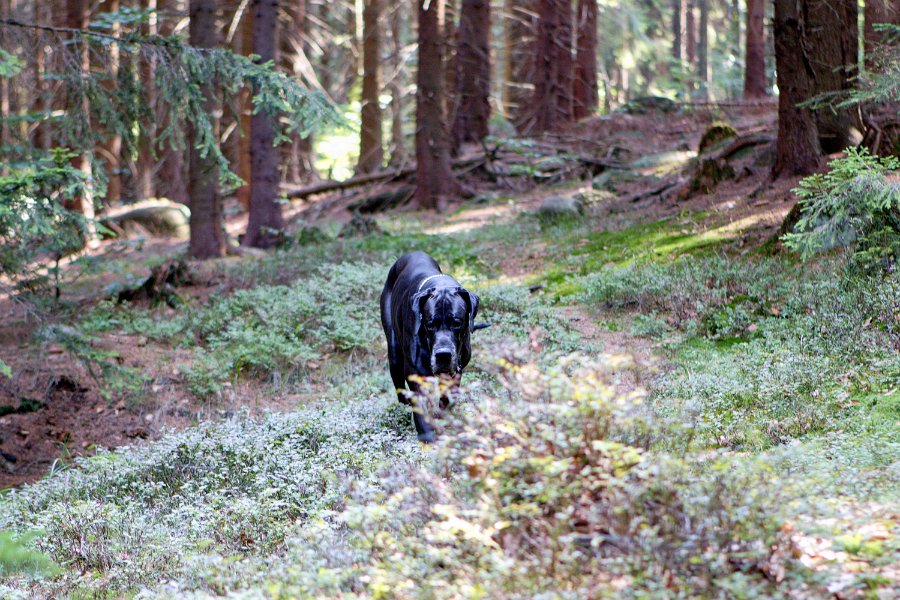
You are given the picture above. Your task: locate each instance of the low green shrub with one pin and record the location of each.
(853, 204)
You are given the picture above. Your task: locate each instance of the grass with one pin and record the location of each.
(770, 430)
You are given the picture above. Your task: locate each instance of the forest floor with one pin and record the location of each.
(741, 351)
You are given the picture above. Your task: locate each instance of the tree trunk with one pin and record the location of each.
(679, 16)
(300, 160)
(5, 137)
(797, 149)
(78, 17)
(243, 43)
(518, 66)
(473, 73)
(703, 49)
(111, 150)
(265, 218)
(42, 129)
(207, 233)
(398, 76)
(554, 67)
(690, 31)
(172, 184)
(371, 152)
(145, 159)
(450, 33)
(833, 30)
(755, 57)
(434, 179)
(585, 92)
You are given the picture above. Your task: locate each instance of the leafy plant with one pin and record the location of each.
(852, 204)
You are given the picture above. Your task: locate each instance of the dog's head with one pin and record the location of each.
(444, 318)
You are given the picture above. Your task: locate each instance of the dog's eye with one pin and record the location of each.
(457, 324)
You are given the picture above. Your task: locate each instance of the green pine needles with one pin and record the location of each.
(855, 205)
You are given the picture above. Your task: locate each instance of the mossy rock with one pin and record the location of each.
(715, 134)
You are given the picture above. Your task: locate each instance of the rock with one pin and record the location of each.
(715, 134)
(559, 208)
(157, 217)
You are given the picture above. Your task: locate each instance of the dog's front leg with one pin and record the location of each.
(424, 429)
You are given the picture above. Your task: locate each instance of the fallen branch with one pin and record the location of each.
(323, 187)
(738, 145)
(657, 190)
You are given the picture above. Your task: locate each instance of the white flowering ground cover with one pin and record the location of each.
(762, 460)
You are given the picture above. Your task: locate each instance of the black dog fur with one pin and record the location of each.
(427, 318)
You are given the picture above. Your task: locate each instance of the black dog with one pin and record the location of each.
(427, 318)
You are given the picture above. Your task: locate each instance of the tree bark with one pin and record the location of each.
(243, 44)
(833, 30)
(145, 159)
(5, 137)
(172, 183)
(554, 70)
(300, 160)
(42, 129)
(473, 73)
(112, 148)
(265, 218)
(585, 92)
(78, 17)
(207, 233)
(679, 16)
(755, 57)
(703, 49)
(518, 67)
(797, 148)
(398, 76)
(434, 179)
(690, 31)
(371, 151)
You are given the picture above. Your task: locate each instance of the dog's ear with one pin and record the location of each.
(418, 305)
(472, 300)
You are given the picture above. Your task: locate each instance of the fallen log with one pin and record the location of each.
(323, 187)
(738, 145)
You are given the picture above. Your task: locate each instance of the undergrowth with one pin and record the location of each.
(765, 350)
(541, 486)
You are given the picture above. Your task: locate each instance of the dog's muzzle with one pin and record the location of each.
(444, 362)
